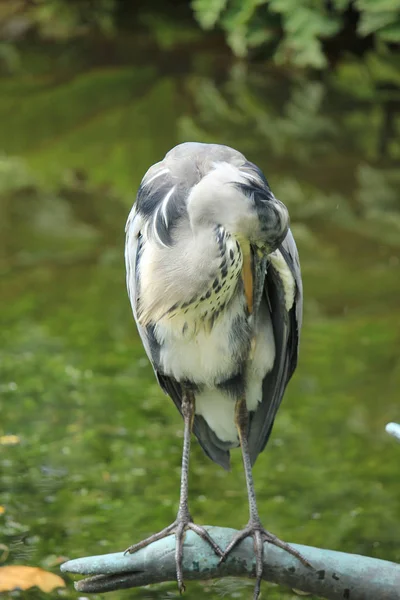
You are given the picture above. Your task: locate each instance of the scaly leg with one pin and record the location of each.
(254, 527)
(183, 520)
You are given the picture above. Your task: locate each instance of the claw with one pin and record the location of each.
(179, 527)
(182, 588)
(260, 535)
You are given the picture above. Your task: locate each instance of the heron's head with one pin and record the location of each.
(238, 197)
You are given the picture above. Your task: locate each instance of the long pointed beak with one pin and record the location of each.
(253, 275)
(247, 276)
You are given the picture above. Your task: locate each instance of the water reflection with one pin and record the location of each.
(97, 466)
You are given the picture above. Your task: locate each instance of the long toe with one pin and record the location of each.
(260, 535)
(179, 539)
(179, 528)
(257, 534)
(259, 552)
(235, 541)
(272, 539)
(152, 538)
(203, 533)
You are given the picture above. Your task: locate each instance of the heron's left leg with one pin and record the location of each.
(184, 519)
(254, 527)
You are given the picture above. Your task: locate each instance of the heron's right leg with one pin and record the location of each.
(183, 520)
(254, 528)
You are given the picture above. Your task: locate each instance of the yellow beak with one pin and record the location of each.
(247, 276)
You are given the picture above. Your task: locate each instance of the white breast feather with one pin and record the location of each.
(204, 357)
(218, 409)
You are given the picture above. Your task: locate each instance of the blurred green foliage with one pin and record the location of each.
(298, 26)
(58, 19)
(293, 32)
(297, 29)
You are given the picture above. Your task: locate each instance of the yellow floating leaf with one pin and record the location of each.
(2, 510)
(17, 577)
(9, 440)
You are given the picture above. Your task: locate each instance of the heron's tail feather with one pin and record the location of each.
(212, 446)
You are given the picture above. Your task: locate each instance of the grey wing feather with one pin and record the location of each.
(286, 327)
(290, 254)
(132, 261)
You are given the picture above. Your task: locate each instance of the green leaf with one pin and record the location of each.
(258, 36)
(371, 22)
(341, 5)
(207, 12)
(238, 42)
(390, 33)
(377, 6)
(384, 69)
(307, 54)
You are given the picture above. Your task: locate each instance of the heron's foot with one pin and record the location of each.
(260, 536)
(178, 527)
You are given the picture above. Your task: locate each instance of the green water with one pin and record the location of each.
(98, 461)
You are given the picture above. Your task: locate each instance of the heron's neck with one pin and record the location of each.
(210, 302)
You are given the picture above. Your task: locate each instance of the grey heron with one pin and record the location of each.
(214, 281)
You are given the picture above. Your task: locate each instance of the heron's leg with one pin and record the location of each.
(183, 520)
(254, 527)
(188, 410)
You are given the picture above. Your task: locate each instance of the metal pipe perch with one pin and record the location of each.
(335, 575)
